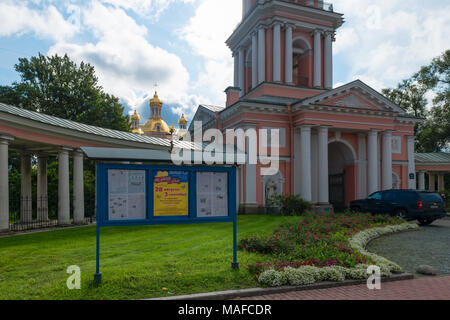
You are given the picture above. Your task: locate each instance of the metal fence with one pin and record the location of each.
(29, 213)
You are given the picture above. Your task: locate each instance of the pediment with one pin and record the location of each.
(355, 94)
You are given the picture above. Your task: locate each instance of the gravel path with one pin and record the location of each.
(429, 246)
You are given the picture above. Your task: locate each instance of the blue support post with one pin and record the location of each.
(235, 263)
(98, 274)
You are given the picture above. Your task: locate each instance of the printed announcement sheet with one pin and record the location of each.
(171, 193)
(212, 194)
(126, 194)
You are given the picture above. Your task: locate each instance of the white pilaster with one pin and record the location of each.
(387, 160)
(315, 167)
(26, 196)
(42, 189)
(241, 72)
(362, 167)
(372, 185)
(250, 179)
(306, 163)
(323, 166)
(421, 180)
(317, 59)
(63, 187)
(297, 162)
(236, 70)
(432, 181)
(261, 55)
(328, 61)
(277, 52)
(289, 55)
(441, 182)
(78, 188)
(254, 60)
(4, 185)
(412, 183)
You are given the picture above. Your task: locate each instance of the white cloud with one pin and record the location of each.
(146, 8)
(385, 41)
(126, 63)
(46, 23)
(206, 33)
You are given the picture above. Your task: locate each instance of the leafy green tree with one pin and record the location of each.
(434, 133)
(59, 87)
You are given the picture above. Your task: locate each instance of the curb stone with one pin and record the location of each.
(245, 293)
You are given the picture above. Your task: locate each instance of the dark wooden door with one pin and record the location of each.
(337, 191)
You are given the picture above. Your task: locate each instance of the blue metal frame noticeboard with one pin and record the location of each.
(151, 171)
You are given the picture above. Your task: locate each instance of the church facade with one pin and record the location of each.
(336, 144)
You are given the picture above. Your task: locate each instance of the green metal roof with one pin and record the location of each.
(437, 157)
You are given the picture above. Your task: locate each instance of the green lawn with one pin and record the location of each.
(136, 262)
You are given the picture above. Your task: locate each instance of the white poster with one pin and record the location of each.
(212, 194)
(126, 195)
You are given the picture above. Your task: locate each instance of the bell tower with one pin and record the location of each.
(285, 43)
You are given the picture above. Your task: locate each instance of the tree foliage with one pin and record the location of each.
(434, 133)
(59, 87)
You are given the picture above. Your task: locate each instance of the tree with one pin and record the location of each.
(59, 87)
(434, 134)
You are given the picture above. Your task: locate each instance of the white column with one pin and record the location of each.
(412, 183)
(289, 55)
(42, 189)
(372, 185)
(315, 167)
(63, 187)
(441, 182)
(241, 72)
(277, 53)
(323, 166)
(432, 181)
(421, 180)
(362, 167)
(261, 55)
(254, 60)
(236, 70)
(4, 185)
(317, 59)
(297, 162)
(328, 61)
(306, 163)
(78, 188)
(250, 179)
(387, 160)
(26, 196)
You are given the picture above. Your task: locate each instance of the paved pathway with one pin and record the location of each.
(432, 288)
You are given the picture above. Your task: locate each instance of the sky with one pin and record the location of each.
(180, 44)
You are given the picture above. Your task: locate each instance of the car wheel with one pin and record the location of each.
(425, 222)
(401, 214)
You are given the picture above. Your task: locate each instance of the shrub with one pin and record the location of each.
(272, 278)
(300, 276)
(289, 205)
(334, 273)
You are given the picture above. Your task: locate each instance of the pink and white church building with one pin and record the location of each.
(336, 144)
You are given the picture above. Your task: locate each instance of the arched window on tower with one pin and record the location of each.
(301, 61)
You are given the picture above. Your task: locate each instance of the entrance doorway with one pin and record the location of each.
(342, 178)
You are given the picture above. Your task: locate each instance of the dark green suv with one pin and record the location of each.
(423, 206)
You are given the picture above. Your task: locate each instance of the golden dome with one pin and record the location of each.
(136, 116)
(156, 125)
(137, 131)
(156, 101)
(182, 120)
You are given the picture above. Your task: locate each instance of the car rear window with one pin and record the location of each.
(431, 197)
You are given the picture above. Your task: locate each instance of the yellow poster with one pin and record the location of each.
(171, 194)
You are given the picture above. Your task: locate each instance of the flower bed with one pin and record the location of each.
(320, 248)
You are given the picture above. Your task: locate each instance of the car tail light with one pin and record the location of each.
(420, 205)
